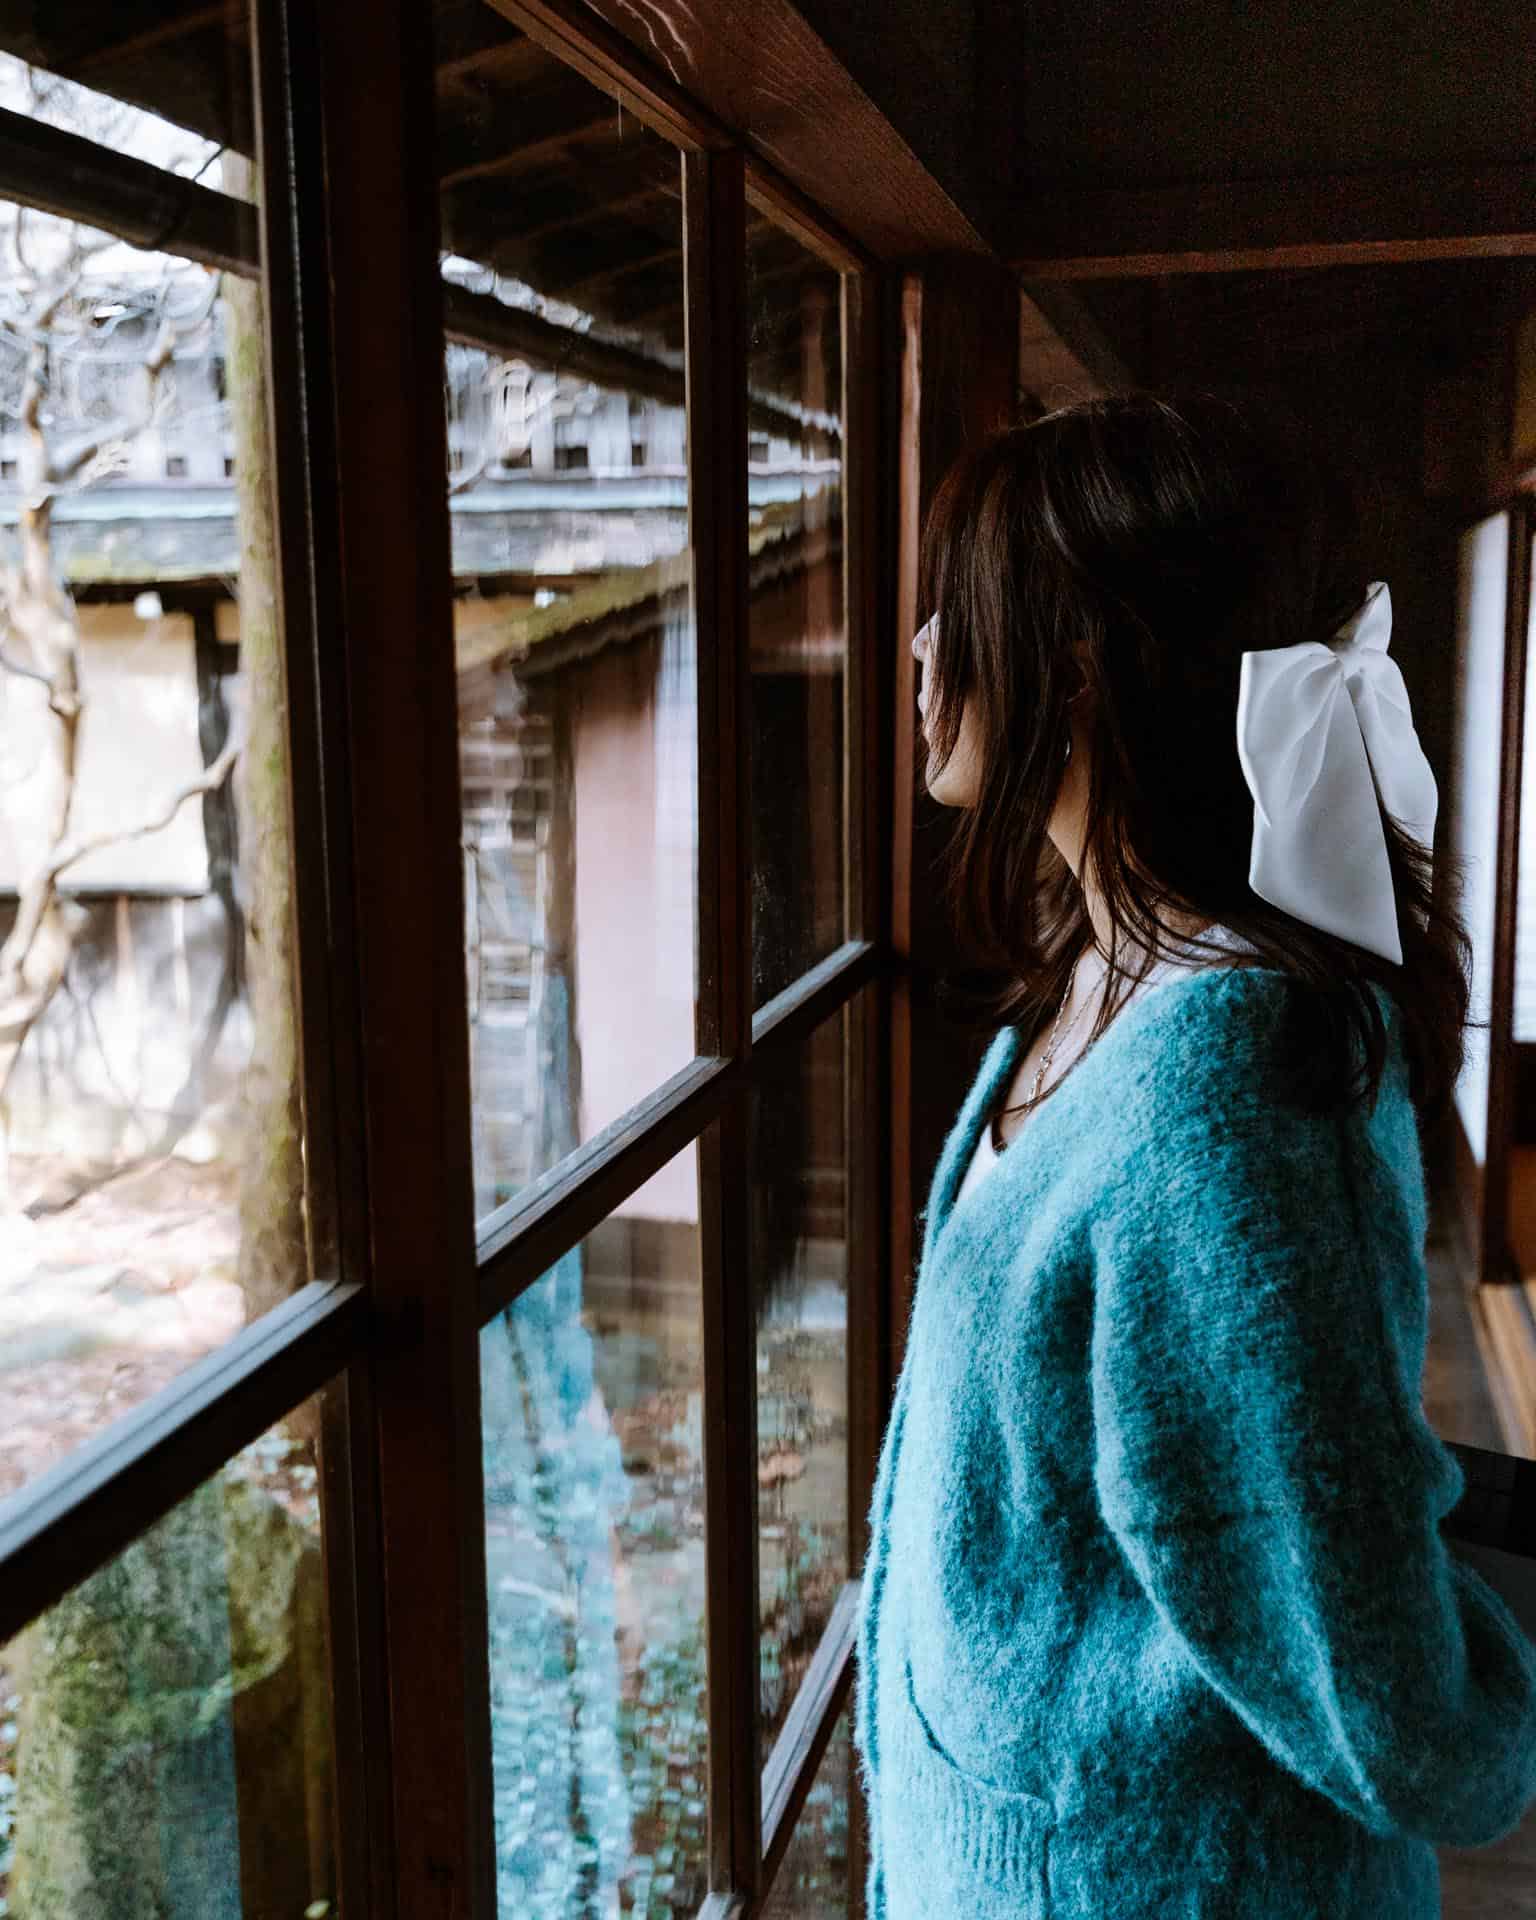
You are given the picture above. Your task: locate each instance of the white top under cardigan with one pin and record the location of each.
(985, 1156)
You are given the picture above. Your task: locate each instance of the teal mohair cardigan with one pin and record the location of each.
(1156, 1618)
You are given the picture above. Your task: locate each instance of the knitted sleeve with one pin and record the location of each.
(1261, 1454)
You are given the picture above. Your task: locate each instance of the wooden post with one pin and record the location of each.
(960, 332)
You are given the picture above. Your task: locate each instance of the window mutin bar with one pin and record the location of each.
(790, 1016)
(715, 271)
(1499, 1267)
(798, 217)
(732, 1591)
(868, 616)
(394, 603)
(75, 1517)
(525, 1238)
(292, 346)
(870, 736)
(292, 155)
(868, 506)
(797, 1753)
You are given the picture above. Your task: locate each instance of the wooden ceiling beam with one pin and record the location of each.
(102, 58)
(531, 154)
(576, 291)
(1242, 225)
(512, 62)
(585, 216)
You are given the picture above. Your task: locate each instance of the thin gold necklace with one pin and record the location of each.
(1049, 1054)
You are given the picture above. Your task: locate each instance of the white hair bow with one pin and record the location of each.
(1326, 743)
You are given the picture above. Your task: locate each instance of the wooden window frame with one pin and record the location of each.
(389, 1328)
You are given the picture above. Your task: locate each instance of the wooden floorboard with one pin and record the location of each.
(1497, 1882)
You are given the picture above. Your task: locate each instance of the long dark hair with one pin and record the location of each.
(1134, 547)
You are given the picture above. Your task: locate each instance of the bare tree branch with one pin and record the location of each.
(171, 331)
(26, 673)
(209, 780)
(462, 482)
(61, 471)
(39, 889)
(37, 324)
(22, 261)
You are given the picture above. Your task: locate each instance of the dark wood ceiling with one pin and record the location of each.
(1145, 95)
(1282, 326)
(1143, 137)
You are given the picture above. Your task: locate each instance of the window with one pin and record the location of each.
(166, 1195)
(797, 637)
(576, 695)
(155, 1196)
(443, 1164)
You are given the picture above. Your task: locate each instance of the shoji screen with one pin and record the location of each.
(1525, 931)
(1473, 828)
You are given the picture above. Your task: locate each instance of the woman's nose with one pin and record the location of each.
(920, 639)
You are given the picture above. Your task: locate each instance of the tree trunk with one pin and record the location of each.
(274, 1257)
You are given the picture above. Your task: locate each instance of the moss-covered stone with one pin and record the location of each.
(173, 1752)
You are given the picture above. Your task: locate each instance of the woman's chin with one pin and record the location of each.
(944, 787)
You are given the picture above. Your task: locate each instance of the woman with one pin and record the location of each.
(1156, 1618)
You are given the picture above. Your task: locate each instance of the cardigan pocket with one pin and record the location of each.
(950, 1834)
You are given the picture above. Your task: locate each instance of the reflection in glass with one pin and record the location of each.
(796, 623)
(562, 220)
(592, 1396)
(813, 1882)
(165, 1739)
(151, 1152)
(799, 1191)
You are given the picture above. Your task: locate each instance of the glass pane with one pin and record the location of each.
(568, 483)
(800, 1271)
(813, 1879)
(165, 1739)
(592, 1388)
(796, 623)
(151, 1145)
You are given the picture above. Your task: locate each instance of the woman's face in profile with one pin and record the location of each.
(956, 782)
